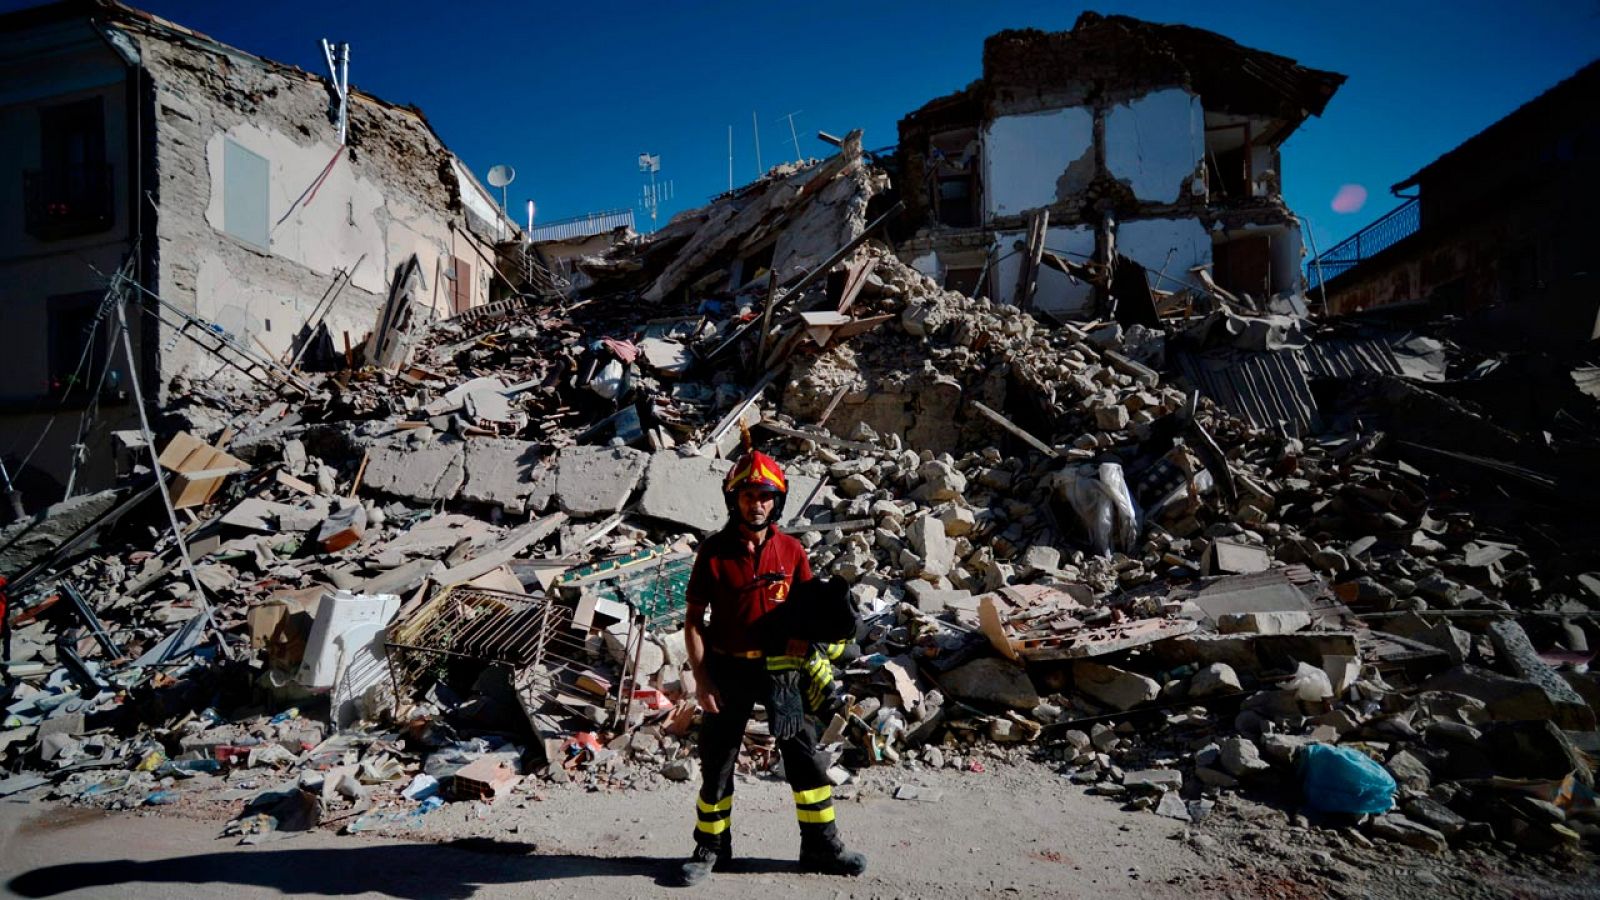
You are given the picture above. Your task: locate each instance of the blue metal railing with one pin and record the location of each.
(1395, 226)
(582, 226)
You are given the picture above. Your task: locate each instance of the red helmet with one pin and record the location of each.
(755, 469)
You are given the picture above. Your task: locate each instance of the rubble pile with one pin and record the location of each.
(450, 577)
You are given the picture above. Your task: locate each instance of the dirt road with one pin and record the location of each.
(1014, 831)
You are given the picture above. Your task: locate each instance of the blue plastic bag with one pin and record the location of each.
(1343, 780)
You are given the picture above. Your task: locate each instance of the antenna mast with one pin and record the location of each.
(338, 57)
(653, 192)
(755, 124)
(794, 137)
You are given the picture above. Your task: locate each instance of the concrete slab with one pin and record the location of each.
(665, 356)
(930, 599)
(500, 471)
(421, 465)
(801, 487)
(1515, 651)
(687, 490)
(1225, 557)
(593, 481)
(1507, 699)
(28, 541)
(1231, 596)
(256, 514)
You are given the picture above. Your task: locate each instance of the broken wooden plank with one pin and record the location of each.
(822, 527)
(1006, 423)
(738, 411)
(855, 280)
(833, 404)
(1033, 253)
(361, 472)
(766, 315)
(820, 438)
(507, 550)
(295, 484)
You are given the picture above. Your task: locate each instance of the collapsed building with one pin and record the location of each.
(237, 194)
(456, 568)
(1158, 143)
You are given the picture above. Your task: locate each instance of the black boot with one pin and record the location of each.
(825, 854)
(699, 866)
(707, 859)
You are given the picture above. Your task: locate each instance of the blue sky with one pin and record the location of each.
(570, 95)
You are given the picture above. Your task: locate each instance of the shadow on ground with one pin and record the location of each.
(421, 871)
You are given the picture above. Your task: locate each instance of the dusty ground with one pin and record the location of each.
(1015, 831)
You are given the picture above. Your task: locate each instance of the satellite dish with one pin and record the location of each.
(500, 176)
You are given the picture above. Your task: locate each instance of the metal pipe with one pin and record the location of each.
(161, 479)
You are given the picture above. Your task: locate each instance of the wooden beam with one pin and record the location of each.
(820, 438)
(766, 317)
(1006, 423)
(846, 525)
(854, 281)
(833, 404)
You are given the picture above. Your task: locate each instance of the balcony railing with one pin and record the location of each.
(1394, 227)
(582, 226)
(66, 201)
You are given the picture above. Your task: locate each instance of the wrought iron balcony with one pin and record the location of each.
(67, 201)
(1394, 227)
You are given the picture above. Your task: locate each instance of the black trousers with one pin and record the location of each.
(743, 683)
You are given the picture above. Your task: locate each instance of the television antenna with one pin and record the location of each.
(653, 191)
(794, 137)
(501, 177)
(338, 56)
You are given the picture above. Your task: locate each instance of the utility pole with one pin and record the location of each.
(730, 157)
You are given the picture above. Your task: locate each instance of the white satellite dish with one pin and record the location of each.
(499, 177)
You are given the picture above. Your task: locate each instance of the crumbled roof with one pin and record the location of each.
(1228, 75)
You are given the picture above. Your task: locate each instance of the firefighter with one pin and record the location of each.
(741, 574)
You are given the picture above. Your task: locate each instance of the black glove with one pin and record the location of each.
(786, 710)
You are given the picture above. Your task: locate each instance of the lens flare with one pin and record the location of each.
(1350, 199)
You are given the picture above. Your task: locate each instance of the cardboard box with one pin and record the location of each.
(198, 469)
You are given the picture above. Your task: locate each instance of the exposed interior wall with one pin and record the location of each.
(1172, 246)
(1025, 157)
(929, 265)
(1055, 293)
(1286, 259)
(1154, 144)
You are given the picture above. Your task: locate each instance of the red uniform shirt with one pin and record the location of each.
(741, 582)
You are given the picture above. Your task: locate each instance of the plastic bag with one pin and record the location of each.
(610, 380)
(1103, 504)
(1310, 684)
(1343, 780)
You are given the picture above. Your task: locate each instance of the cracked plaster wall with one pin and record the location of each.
(1155, 142)
(1170, 245)
(387, 197)
(1025, 155)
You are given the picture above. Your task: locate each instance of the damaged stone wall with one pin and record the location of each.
(393, 191)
